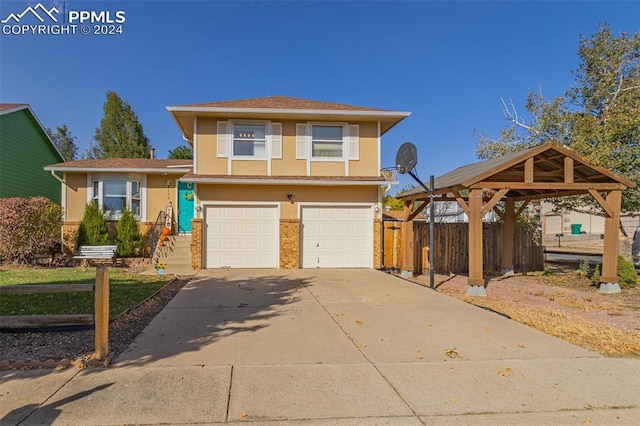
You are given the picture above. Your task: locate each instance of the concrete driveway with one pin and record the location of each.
(333, 347)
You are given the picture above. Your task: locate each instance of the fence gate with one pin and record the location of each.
(392, 245)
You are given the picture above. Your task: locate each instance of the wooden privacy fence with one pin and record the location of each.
(452, 247)
(100, 319)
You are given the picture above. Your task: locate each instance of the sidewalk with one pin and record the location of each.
(326, 347)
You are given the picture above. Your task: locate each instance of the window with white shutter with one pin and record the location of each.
(276, 140)
(301, 141)
(354, 142)
(223, 139)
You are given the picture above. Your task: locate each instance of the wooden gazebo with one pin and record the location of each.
(545, 171)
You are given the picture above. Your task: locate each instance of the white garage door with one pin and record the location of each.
(242, 236)
(336, 237)
(552, 224)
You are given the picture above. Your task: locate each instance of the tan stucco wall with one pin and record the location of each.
(207, 161)
(264, 193)
(76, 196)
(158, 197)
(367, 163)
(321, 168)
(288, 165)
(249, 167)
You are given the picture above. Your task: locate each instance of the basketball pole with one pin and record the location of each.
(432, 216)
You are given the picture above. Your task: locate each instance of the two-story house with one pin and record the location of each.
(21, 132)
(276, 182)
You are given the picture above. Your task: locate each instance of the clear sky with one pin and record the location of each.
(448, 63)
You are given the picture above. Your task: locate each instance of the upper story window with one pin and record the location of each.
(327, 141)
(113, 196)
(250, 140)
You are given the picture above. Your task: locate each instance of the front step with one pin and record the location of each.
(176, 255)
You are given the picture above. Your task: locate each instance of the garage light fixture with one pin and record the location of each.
(290, 197)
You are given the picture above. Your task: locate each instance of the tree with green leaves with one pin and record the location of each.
(120, 134)
(64, 141)
(181, 152)
(598, 117)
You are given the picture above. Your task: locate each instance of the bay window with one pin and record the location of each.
(113, 195)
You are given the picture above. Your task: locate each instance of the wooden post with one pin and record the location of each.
(609, 276)
(102, 312)
(508, 236)
(476, 274)
(407, 248)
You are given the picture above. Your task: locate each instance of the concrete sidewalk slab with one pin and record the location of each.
(139, 396)
(576, 418)
(21, 392)
(515, 386)
(312, 392)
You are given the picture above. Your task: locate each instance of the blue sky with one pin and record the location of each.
(448, 63)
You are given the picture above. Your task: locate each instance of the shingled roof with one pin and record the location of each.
(121, 164)
(282, 108)
(282, 102)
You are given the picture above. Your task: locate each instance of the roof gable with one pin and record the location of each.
(11, 108)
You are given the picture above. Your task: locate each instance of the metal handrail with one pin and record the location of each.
(156, 231)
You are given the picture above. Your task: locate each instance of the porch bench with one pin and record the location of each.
(97, 252)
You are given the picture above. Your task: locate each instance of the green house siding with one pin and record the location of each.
(24, 151)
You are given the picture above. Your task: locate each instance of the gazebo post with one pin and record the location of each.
(508, 232)
(609, 274)
(476, 275)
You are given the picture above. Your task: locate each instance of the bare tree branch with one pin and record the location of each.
(511, 114)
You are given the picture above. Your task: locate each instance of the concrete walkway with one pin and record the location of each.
(325, 347)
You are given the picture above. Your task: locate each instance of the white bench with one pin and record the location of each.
(97, 252)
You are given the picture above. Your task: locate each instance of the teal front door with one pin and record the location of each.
(185, 206)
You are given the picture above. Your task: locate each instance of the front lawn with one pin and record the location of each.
(125, 291)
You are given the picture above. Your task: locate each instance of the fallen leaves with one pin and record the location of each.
(507, 372)
(452, 353)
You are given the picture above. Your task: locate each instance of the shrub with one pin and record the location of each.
(93, 229)
(595, 278)
(128, 236)
(627, 276)
(28, 227)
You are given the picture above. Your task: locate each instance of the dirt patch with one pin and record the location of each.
(565, 305)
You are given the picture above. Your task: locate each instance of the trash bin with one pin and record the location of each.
(576, 228)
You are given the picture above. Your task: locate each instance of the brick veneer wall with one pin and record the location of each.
(70, 235)
(289, 243)
(377, 242)
(196, 244)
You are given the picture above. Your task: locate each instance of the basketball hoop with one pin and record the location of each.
(390, 174)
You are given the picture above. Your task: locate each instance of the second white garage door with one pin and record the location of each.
(337, 237)
(242, 236)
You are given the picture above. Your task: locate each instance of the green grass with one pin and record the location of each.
(125, 291)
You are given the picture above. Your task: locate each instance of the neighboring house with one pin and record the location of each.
(276, 182)
(569, 221)
(445, 212)
(25, 148)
